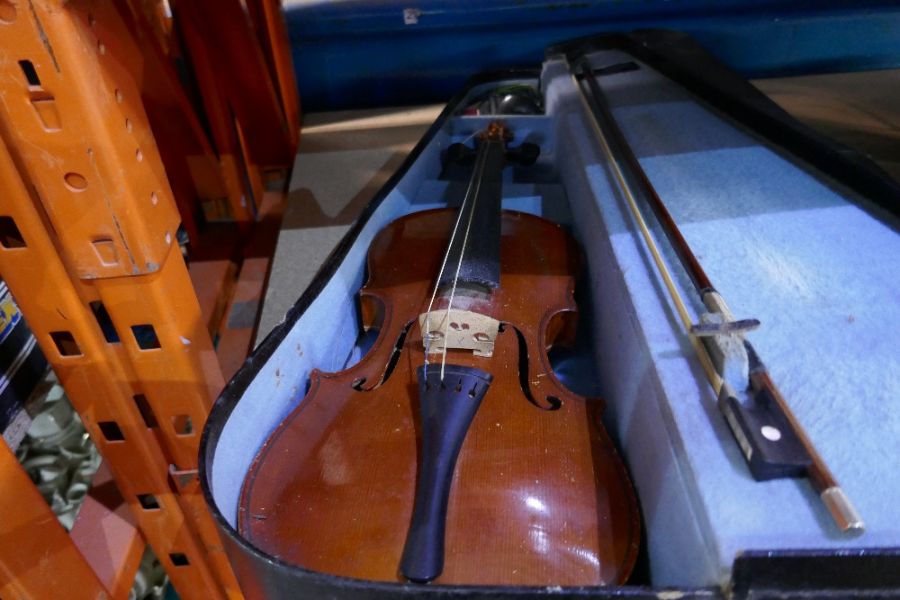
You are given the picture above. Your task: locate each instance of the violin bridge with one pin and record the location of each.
(458, 330)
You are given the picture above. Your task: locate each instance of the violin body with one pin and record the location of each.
(538, 495)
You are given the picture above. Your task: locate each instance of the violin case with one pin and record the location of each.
(794, 229)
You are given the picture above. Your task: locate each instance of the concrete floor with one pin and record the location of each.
(861, 110)
(345, 157)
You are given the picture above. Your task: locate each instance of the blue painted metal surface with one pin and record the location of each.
(363, 53)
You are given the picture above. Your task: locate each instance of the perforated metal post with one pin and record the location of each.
(273, 36)
(254, 112)
(87, 229)
(243, 182)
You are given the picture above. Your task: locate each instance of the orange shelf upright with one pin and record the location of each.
(87, 246)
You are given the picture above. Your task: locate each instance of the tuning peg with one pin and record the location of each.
(524, 154)
(460, 153)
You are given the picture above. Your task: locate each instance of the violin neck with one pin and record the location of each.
(477, 237)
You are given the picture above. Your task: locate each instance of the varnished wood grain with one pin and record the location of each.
(539, 496)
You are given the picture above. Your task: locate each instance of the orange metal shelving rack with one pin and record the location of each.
(88, 225)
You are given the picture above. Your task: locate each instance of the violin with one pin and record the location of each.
(451, 453)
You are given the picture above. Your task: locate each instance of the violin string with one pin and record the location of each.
(427, 329)
(462, 251)
(470, 136)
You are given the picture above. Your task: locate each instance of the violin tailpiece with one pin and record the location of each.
(447, 406)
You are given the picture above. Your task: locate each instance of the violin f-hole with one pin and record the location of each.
(552, 402)
(390, 365)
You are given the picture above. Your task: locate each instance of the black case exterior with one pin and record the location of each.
(776, 574)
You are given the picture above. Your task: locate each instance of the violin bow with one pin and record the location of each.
(770, 437)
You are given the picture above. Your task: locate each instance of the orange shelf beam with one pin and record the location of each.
(38, 559)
